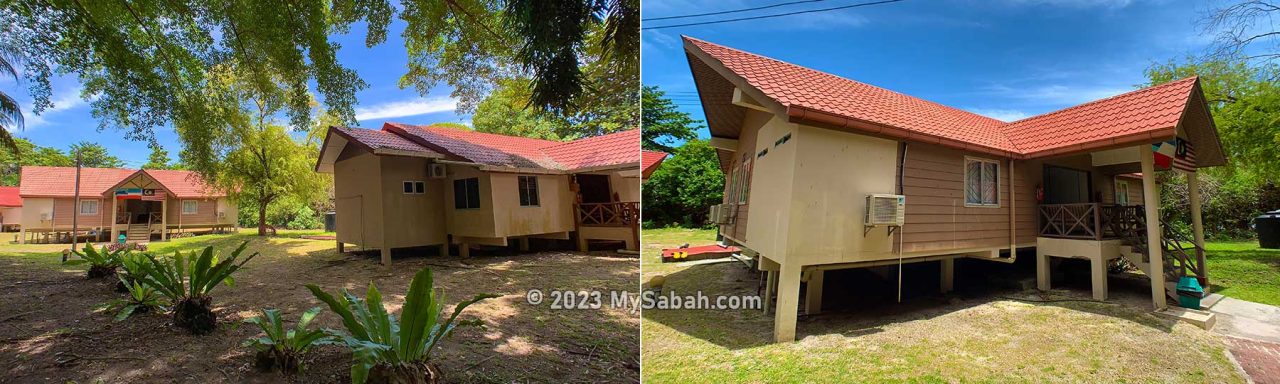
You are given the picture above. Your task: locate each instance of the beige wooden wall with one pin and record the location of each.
(553, 214)
(206, 212)
(478, 222)
(754, 126)
(358, 198)
(65, 208)
(771, 186)
(411, 220)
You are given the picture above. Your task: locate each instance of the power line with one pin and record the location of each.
(732, 11)
(774, 15)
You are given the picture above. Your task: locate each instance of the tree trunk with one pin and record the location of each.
(262, 218)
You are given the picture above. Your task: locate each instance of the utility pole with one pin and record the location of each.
(75, 212)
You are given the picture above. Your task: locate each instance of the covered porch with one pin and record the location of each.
(1071, 226)
(607, 208)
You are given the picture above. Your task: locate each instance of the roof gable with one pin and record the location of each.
(38, 181)
(813, 97)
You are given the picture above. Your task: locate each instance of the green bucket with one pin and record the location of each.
(1189, 292)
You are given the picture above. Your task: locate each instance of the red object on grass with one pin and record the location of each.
(701, 249)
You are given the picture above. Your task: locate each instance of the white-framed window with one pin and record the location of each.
(88, 207)
(415, 187)
(1122, 192)
(190, 207)
(528, 191)
(981, 182)
(745, 190)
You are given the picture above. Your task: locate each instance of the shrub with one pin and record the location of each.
(283, 349)
(130, 270)
(141, 299)
(387, 352)
(187, 281)
(112, 247)
(101, 263)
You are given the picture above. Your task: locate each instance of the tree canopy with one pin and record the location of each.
(93, 155)
(145, 64)
(664, 124)
(684, 187)
(158, 159)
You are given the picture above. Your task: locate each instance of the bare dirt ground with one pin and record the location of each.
(51, 329)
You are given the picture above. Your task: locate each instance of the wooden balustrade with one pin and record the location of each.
(1089, 220)
(615, 214)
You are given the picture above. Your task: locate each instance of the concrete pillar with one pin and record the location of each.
(582, 243)
(1042, 270)
(813, 293)
(22, 235)
(770, 277)
(1197, 224)
(115, 203)
(1151, 199)
(784, 319)
(444, 250)
(164, 222)
(341, 247)
(464, 250)
(948, 275)
(1098, 269)
(386, 256)
(524, 244)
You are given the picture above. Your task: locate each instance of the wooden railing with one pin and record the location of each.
(1174, 246)
(615, 214)
(1089, 220)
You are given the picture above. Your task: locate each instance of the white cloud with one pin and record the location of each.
(1005, 115)
(62, 102)
(404, 108)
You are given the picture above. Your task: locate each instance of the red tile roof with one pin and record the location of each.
(9, 197)
(618, 148)
(375, 139)
(649, 161)
(39, 181)
(615, 149)
(183, 184)
(816, 96)
(1139, 112)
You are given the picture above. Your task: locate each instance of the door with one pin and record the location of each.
(1065, 185)
(594, 189)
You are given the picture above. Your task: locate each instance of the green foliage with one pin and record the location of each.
(381, 344)
(281, 348)
(141, 299)
(682, 190)
(132, 268)
(186, 280)
(101, 262)
(287, 213)
(158, 159)
(11, 161)
(664, 124)
(505, 111)
(1245, 102)
(94, 155)
(11, 118)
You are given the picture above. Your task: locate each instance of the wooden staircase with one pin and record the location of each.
(138, 233)
(1174, 249)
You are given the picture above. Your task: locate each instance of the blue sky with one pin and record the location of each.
(381, 66)
(1006, 59)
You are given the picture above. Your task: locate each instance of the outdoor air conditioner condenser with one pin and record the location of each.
(436, 171)
(886, 210)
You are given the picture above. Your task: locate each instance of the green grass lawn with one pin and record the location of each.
(1244, 271)
(945, 339)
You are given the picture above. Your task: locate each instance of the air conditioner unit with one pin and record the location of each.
(728, 213)
(714, 216)
(222, 215)
(886, 210)
(46, 216)
(436, 171)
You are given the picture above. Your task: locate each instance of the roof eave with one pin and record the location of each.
(800, 114)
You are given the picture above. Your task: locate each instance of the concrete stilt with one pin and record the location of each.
(1042, 270)
(341, 248)
(947, 283)
(386, 256)
(813, 293)
(788, 303)
(1098, 269)
(524, 244)
(464, 250)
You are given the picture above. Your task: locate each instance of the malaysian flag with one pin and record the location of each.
(152, 195)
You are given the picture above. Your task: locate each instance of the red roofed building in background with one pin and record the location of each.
(10, 209)
(140, 204)
(407, 186)
(847, 174)
(649, 162)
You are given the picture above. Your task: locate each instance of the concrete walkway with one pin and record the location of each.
(1253, 335)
